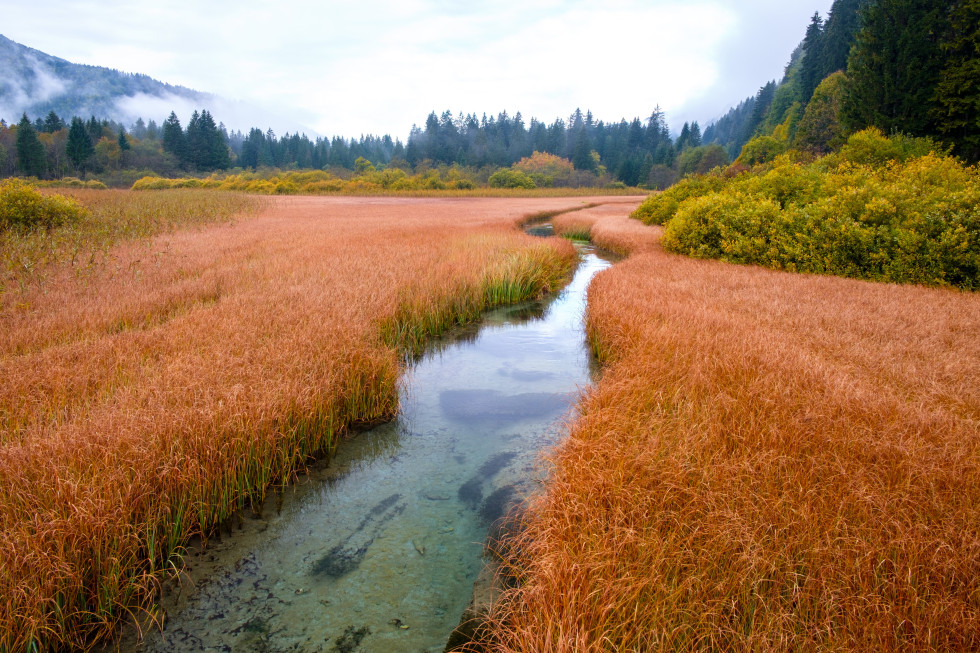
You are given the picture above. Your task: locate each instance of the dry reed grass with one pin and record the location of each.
(769, 462)
(163, 393)
(27, 258)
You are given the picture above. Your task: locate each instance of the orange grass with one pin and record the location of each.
(770, 462)
(162, 394)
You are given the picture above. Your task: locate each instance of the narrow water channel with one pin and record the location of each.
(378, 550)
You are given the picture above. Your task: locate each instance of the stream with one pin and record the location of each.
(379, 549)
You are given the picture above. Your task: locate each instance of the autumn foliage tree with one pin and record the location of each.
(820, 130)
(546, 169)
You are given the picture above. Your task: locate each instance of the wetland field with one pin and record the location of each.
(156, 387)
(765, 461)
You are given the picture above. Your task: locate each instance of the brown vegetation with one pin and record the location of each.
(161, 391)
(770, 461)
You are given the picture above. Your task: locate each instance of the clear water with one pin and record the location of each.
(379, 549)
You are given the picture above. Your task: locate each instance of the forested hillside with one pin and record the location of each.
(858, 164)
(909, 66)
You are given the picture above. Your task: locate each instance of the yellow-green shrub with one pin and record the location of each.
(23, 207)
(151, 183)
(659, 208)
(873, 211)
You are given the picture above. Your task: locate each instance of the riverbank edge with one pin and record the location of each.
(475, 630)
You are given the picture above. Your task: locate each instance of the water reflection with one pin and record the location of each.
(378, 550)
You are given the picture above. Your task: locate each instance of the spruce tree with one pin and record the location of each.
(684, 140)
(53, 122)
(694, 139)
(839, 33)
(173, 139)
(194, 141)
(214, 155)
(894, 67)
(79, 146)
(31, 158)
(94, 128)
(957, 110)
(582, 151)
(760, 108)
(812, 68)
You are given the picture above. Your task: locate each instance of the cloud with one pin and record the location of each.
(234, 115)
(380, 65)
(754, 51)
(26, 84)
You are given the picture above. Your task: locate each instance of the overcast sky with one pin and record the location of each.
(352, 68)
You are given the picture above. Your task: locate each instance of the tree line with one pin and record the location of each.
(626, 151)
(49, 147)
(635, 153)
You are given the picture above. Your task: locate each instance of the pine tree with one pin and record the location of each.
(31, 158)
(79, 146)
(123, 141)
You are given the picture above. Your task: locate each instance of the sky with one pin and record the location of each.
(378, 67)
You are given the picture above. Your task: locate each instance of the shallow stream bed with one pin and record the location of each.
(378, 550)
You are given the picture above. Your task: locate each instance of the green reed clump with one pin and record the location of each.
(516, 276)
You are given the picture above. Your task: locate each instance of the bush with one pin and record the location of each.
(659, 208)
(871, 147)
(23, 207)
(879, 209)
(761, 149)
(507, 178)
(151, 183)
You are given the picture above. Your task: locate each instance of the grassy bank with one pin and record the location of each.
(163, 393)
(770, 461)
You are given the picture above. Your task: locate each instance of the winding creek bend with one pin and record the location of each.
(379, 550)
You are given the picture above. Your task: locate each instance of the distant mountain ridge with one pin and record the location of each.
(35, 83)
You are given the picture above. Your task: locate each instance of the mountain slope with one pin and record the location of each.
(35, 83)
